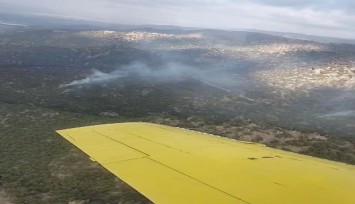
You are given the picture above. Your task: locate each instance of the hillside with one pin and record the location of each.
(290, 94)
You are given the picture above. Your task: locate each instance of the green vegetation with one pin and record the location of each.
(38, 166)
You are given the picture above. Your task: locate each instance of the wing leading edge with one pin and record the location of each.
(174, 165)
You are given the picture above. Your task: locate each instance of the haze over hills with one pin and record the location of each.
(296, 95)
(321, 39)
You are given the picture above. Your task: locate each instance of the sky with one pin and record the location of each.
(334, 18)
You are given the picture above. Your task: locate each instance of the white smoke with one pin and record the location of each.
(169, 72)
(96, 77)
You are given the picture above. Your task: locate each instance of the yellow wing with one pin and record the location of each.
(174, 165)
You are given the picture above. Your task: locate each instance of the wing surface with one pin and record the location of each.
(174, 165)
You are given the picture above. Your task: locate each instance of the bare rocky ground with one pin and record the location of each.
(37, 166)
(335, 75)
(4, 198)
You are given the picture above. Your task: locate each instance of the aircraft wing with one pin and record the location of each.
(174, 165)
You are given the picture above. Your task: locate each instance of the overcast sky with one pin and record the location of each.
(317, 17)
